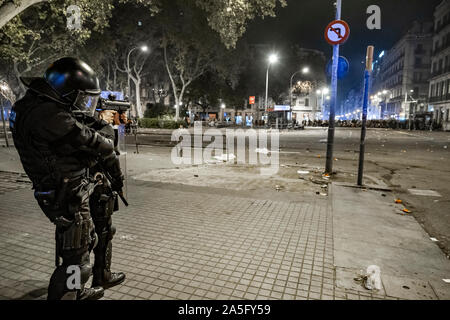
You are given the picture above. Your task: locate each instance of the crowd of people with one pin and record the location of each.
(417, 124)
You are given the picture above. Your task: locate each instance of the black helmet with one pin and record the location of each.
(72, 82)
(75, 82)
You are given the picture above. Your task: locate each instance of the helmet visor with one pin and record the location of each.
(86, 102)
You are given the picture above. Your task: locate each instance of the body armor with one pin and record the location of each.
(57, 153)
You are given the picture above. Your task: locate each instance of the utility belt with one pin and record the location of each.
(53, 188)
(66, 205)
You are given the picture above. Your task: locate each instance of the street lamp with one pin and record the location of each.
(143, 48)
(273, 58)
(305, 70)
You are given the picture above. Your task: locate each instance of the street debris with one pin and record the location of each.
(398, 201)
(196, 175)
(434, 239)
(445, 147)
(371, 279)
(302, 172)
(446, 280)
(225, 157)
(425, 193)
(318, 156)
(405, 211)
(321, 182)
(127, 237)
(278, 188)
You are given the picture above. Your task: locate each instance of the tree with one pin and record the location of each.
(31, 40)
(191, 48)
(10, 9)
(227, 18)
(134, 72)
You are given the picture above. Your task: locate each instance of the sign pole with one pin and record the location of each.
(5, 132)
(331, 127)
(369, 59)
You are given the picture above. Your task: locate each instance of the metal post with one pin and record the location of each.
(5, 132)
(334, 81)
(267, 89)
(369, 59)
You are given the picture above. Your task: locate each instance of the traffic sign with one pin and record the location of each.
(343, 67)
(252, 100)
(337, 32)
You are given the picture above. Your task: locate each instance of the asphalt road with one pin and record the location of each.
(407, 162)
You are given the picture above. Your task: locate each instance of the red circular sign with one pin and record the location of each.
(337, 32)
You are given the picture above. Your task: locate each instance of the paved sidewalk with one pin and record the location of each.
(186, 242)
(371, 229)
(186, 245)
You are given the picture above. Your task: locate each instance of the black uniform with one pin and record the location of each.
(57, 153)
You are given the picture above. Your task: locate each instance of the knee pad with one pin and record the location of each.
(77, 235)
(112, 232)
(85, 272)
(94, 241)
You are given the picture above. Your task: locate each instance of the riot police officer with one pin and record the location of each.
(57, 150)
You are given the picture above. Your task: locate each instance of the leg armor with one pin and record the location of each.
(75, 237)
(103, 203)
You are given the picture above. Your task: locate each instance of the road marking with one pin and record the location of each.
(426, 193)
(415, 135)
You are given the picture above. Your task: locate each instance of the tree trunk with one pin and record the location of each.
(9, 10)
(18, 74)
(137, 85)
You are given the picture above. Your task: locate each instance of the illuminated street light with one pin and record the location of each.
(144, 48)
(273, 58)
(222, 105)
(305, 70)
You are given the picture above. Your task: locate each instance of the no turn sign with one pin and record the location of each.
(337, 32)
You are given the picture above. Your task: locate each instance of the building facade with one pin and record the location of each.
(308, 108)
(439, 89)
(401, 78)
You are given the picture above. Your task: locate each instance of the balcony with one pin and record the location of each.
(440, 98)
(440, 72)
(420, 51)
(441, 27)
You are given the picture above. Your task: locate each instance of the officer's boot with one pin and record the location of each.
(93, 293)
(102, 275)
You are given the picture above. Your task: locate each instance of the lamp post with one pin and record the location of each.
(143, 48)
(273, 58)
(305, 70)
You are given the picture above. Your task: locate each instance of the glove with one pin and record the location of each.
(113, 168)
(117, 183)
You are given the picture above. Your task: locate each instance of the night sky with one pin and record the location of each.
(303, 22)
